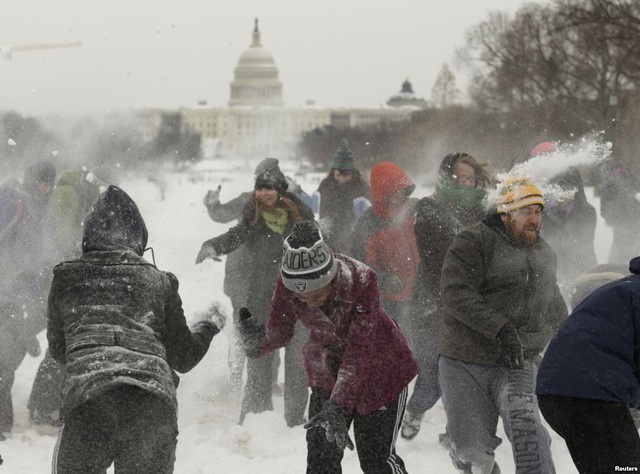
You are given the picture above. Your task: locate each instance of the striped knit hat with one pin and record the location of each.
(307, 260)
(343, 157)
(517, 192)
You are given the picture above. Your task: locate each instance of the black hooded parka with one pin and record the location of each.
(113, 318)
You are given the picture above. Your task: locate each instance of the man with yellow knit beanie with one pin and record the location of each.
(502, 305)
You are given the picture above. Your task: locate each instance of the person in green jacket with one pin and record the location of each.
(502, 305)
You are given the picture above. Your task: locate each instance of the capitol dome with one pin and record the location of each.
(256, 77)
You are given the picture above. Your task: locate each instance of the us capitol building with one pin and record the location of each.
(256, 122)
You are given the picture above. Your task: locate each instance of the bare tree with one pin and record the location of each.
(445, 92)
(561, 61)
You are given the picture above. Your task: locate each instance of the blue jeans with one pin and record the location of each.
(474, 397)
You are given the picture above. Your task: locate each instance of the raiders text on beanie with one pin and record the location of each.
(307, 261)
(517, 192)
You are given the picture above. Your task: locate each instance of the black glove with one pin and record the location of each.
(510, 347)
(207, 251)
(212, 197)
(251, 334)
(333, 418)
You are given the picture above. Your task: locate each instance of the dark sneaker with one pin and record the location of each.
(411, 425)
(464, 467)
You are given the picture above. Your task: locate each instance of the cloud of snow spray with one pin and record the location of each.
(585, 152)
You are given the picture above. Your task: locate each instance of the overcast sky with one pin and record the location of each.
(172, 53)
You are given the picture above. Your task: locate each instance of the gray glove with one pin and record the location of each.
(207, 251)
(214, 314)
(212, 197)
(251, 334)
(510, 347)
(333, 418)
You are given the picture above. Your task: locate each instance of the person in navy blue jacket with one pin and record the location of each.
(589, 377)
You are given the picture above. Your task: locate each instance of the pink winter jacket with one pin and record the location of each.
(358, 354)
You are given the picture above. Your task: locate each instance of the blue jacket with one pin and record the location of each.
(596, 354)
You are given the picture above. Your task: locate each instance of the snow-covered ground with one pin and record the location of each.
(210, 439)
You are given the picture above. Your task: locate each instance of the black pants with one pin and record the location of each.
(375, 438)
(600, 435)
(46, 392)
(133, 429)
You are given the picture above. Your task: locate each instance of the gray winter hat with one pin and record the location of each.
(39, 171)
(272, 179)
(266, 164)
(307, 260)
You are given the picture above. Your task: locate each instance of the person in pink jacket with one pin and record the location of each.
(358, 362)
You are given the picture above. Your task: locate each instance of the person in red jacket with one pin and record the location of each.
(358, 362)
(384, 239)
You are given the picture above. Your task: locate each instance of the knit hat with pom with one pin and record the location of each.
(343, 157)
(307, 260)
(272, 178)
(517, 192)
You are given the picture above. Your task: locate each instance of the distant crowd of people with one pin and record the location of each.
(462, 296)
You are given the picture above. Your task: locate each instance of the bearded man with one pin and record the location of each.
(502, 305)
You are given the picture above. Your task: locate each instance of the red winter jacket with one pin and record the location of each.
(384, 238)
(358, 354)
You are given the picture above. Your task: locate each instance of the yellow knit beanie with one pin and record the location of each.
(517, 192)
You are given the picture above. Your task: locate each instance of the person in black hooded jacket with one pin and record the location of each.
(117, 323)
(459, 200)
(344, 196)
